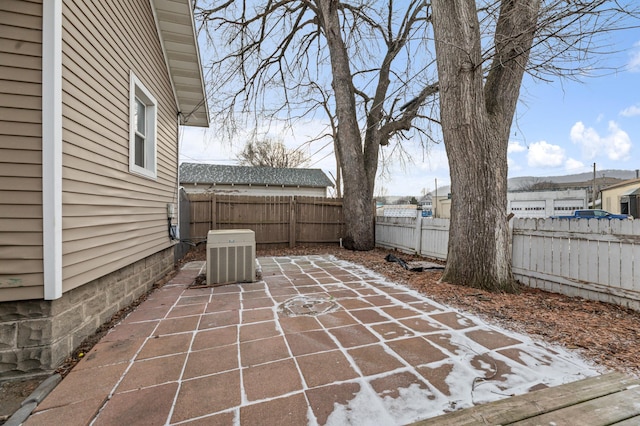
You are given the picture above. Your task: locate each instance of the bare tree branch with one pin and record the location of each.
(358, 65)
(271, 153)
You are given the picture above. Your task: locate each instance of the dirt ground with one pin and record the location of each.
(607, 335)
(13, 393)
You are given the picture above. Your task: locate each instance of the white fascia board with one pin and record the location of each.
(199, 61)
(164, 53)
(193, 64)
(52, 147)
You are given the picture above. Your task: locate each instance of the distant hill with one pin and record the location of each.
(525, 182)
(519, 183)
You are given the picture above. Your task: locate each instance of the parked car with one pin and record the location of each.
(593, 214)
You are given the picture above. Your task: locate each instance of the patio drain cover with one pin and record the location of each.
(305, 305)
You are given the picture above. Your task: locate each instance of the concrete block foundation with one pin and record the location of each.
(37, 335)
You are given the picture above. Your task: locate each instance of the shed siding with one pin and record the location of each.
(21, 267)
(612, 196)
(111, 217)
(258, 190)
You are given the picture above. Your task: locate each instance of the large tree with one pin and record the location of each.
(352, 61)
(476, 114)
(478, 97)
(374, 61)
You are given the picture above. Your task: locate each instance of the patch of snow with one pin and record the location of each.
(477, 374)
(365, 409)
(412, 403)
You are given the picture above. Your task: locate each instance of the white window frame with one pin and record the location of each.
(137, 90)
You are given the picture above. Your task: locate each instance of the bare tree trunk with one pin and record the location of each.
(476, 118)
(338, 172)
(358, 187)
(285, 44)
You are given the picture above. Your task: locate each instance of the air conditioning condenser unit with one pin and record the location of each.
(231, 256)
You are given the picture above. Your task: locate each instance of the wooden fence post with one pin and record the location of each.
(292, 221)
(212, 213)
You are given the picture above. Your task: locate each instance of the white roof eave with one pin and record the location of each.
(176, 29)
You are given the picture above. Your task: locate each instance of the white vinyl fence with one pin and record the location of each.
(397, 233)
(424, 236)
(594, 259)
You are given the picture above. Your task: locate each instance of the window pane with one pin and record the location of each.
(143, 129)
(140, 117)
(139, 151)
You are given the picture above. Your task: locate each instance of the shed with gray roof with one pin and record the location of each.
(249, 180)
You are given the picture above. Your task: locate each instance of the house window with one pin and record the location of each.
(142, 130)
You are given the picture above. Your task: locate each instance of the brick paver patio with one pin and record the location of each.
(380, 354)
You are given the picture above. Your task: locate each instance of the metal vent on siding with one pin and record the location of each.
(231, 256)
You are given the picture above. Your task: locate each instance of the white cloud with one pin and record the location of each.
(512, 165)
(616, 145)
(213, 146)
(434, 160)
(543, 154)
(634, 59)
(587, 138)
(515, 146)
(631, 111)
(411, 178)
(573, 166)
(203, 145)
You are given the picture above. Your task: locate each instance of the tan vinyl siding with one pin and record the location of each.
(111, 217)
(21, 268)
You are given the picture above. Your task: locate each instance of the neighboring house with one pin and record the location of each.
(441, 202)
(623, 198)
(546, 203)
(249, 180)
(92, 94)
(426, 204)
(526, 203)
(397, 210)
(442, 206)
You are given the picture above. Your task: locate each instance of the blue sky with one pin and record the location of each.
(560, 128)
(563, 128)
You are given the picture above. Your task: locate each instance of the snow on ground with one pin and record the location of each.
(475, 374)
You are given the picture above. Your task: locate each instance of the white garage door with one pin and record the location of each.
(529, 208)
(567, 206)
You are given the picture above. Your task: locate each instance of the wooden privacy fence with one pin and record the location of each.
(278, 221)
(594, 259)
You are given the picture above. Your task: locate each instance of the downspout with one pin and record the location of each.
(52, 148)
(176, 228)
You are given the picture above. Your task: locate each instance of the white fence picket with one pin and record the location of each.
(595, 259)
(594, 252)
(632, 283)
(574, 251)
(396, 232)
(434, 236)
